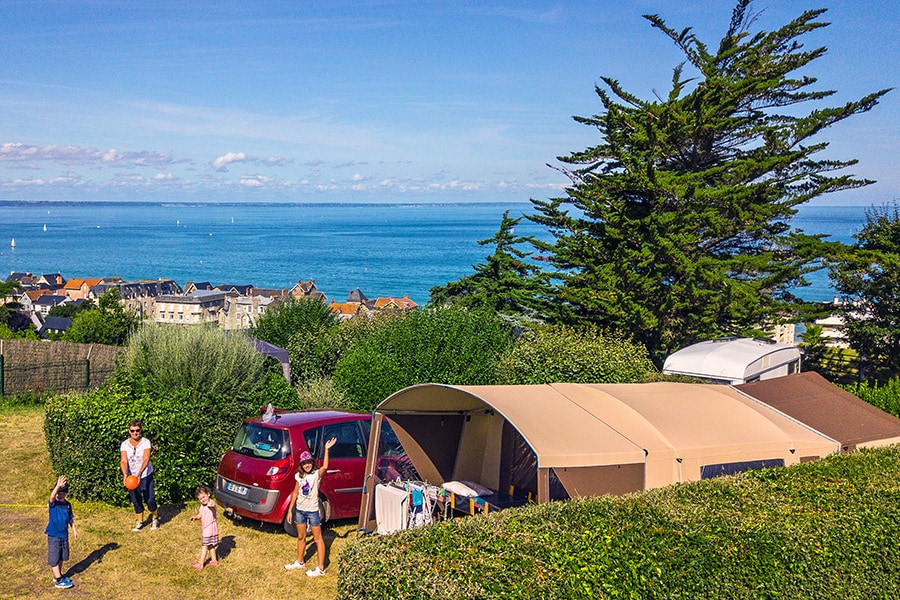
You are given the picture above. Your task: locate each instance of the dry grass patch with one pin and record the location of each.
(110, 561)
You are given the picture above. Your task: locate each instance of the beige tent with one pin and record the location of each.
(566, 440)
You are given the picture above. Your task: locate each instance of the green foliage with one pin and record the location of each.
(307, 329)
(28, 333)
(824, 530)
(573, 355)
(321, 393)
(676, 227)
(885, 396)
(109, 323)
(814, 347)
(444, 345)
(71, 310)
(192, 387)
(869, 276)
(211, 362)
(508, 283)
(23, 399)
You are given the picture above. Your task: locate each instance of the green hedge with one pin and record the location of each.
(822, 530)
(191, 387)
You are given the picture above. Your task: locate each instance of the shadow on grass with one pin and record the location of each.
(226, 545)
(170, 511)
(94, 557)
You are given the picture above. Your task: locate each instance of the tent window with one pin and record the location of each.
(392, 461)
(710, 471)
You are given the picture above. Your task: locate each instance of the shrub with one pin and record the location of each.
(321, 393)
(573, 355)
(443, 345)
(885, 396)
(305, 328)
(824, 530)
(191, 386)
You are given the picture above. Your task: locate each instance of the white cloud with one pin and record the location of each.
(254, 180)
(223, 161)
(17, 152)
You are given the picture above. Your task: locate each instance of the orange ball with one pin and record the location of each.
(131, 482)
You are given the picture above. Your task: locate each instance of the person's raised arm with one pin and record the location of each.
(60, 481)
(328, 446)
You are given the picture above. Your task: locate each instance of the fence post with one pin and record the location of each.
(87, 374)
(1, 376)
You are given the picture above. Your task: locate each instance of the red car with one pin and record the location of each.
(256, 476)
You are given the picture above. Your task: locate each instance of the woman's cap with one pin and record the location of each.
(305, 457)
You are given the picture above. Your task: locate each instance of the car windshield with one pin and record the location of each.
(257, 440)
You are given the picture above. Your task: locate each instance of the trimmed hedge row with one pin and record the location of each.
(819, 530)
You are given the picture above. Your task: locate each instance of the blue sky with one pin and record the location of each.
(371, 101)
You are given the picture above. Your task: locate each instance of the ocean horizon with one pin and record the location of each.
(382, 249)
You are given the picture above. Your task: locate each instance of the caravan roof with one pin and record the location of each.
(730, 360)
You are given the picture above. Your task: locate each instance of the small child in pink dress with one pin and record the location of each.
(209, 535)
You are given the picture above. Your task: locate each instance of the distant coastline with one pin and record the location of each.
(384, 249)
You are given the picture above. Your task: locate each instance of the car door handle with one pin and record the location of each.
(330, 471)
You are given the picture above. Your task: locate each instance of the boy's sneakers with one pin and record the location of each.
(139, 526)
(315, 572)
(154, 525)
(295, 565)
(64, 582)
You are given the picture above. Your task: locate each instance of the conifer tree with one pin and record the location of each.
(676, 226)
(508, 283)
(868, 275)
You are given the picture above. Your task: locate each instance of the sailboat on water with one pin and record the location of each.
(12, 244)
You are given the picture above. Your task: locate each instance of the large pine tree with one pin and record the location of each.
(676, 227)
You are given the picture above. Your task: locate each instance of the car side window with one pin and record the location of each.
(312, 436)
(350, 443)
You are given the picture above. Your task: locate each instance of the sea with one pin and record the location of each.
(401, 249)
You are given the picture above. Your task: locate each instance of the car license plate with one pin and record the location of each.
(237, 489)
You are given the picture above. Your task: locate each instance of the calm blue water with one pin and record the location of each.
(382, 249)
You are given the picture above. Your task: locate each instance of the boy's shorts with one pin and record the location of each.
(313, 519)
(57, 550)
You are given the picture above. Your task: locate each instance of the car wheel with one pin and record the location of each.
(324, 510)
(290, 528)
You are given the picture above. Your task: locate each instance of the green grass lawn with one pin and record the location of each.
(110, 561)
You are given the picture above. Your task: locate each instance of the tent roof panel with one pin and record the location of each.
(561, 433)
(813, 400)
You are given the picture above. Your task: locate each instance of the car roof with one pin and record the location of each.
(287, 420)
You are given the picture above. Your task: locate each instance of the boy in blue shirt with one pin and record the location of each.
(57, 531)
